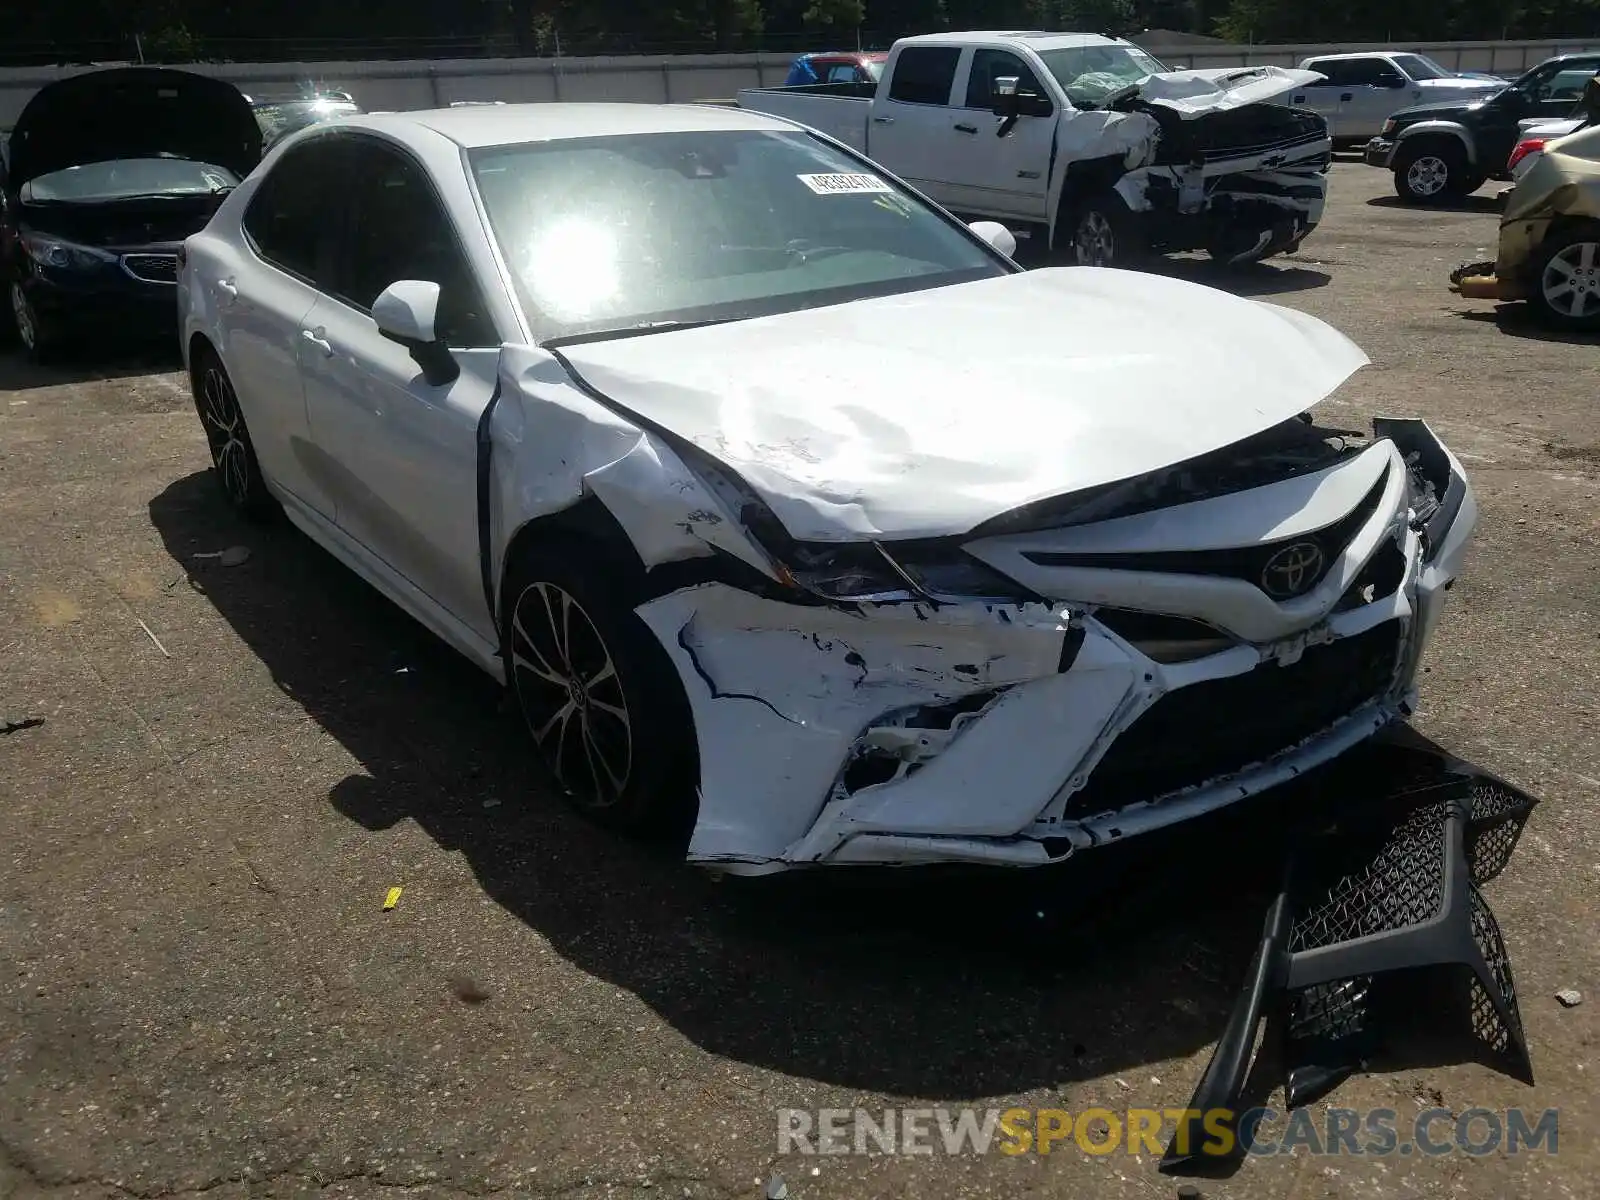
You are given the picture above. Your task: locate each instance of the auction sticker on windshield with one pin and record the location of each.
(830, 185)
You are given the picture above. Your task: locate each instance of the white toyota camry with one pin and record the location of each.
(791, 507)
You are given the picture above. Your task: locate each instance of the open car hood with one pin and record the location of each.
(926, 414)
(134, 112)
(1213, 89)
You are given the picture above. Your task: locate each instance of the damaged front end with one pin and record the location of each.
(1073, 673)
(1239, 183)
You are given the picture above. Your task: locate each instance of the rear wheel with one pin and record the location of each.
(233, 456)
(599, 696)
(1566, 282)
(1432, 172)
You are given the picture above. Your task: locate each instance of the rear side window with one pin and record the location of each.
(924, 74)
(293, 219)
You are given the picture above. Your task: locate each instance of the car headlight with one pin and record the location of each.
(64, 255)
(858, 572)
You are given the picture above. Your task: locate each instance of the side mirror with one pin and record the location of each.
(405, 313)
(997, 235)
(1389, 79)
(1004, 99)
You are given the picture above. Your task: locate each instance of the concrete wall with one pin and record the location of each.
(653, 79)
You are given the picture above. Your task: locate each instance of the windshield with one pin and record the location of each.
(276, 120)
(1089, 74)
(611, 233)
(1421, 67)
(125, 178)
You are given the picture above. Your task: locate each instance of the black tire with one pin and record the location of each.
(41, 340)
(604, 706)
(1434, 171)
(233, 455)
(1101, 231)
(1564, 286)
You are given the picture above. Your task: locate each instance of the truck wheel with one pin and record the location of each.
(1103, 232)
(1566, 280)
(1431, 173)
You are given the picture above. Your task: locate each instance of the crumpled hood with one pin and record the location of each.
(1212, 89)
(926, 414)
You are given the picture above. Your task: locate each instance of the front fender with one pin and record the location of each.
(1454, 129)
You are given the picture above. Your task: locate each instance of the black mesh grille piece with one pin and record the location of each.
(1217, 728)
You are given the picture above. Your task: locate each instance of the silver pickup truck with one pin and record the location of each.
(1085, 143)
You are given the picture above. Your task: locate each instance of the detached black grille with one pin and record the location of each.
(152, 268)
(1246, 563)
(1222, 726)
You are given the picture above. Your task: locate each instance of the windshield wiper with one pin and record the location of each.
(627, 331)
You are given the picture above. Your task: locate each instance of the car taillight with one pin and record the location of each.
(1524, 148)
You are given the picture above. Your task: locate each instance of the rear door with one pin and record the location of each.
(912, 117)
(991, 175)
(291, 226)
(1324, 98)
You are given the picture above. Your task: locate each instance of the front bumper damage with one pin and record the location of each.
(1020, 734)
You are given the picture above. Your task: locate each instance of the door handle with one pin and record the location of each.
(965, 128)
(1347, 96)
(884, 120)
(314, 336)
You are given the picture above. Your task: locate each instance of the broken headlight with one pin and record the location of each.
(1436, 491)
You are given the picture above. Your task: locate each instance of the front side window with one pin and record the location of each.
(924, 74)
(989, 65)
(399, 230)
(1090, 75)
(614, 233)
(292, 220)
(129, 179)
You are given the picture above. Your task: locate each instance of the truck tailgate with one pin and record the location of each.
(841, 117)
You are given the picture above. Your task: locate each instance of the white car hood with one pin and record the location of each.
(923, 415)
(1212, 89)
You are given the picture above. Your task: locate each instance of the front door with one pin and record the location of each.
(995, 176)
(402, 451)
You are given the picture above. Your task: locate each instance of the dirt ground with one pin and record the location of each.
(219, 772)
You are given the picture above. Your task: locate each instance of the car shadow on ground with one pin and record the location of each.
(1276, 277)
(1519, 320)
(1476, 203)
(942, 985)
(113, 360)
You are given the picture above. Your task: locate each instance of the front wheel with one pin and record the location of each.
(39, 337)
(1432, 173)
(600, 698)
(1566, 289)
(1103, 232)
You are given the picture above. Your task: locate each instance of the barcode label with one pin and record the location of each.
(833, 185)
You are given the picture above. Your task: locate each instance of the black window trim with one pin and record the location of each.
(972, 63)
(949, 91)
(341, 211)
(344, 211)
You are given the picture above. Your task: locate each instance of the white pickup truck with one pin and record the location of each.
(1360, 91)
(1086, 142)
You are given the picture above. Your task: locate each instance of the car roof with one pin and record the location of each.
(511, 124)
(1037, 38)
(1357, 54)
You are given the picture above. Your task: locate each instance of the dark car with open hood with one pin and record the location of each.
(109, 172)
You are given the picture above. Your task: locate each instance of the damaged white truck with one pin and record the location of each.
(1085, 143)
(789, 507)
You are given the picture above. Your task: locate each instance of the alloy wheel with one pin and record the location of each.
(1096, 241)
(570, 694)
(1571, 281)
(224, 425)
(1428, 175)
(22, 313)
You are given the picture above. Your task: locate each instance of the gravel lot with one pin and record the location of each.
(199, 990)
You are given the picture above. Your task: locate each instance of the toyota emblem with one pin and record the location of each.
(1292, 571)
